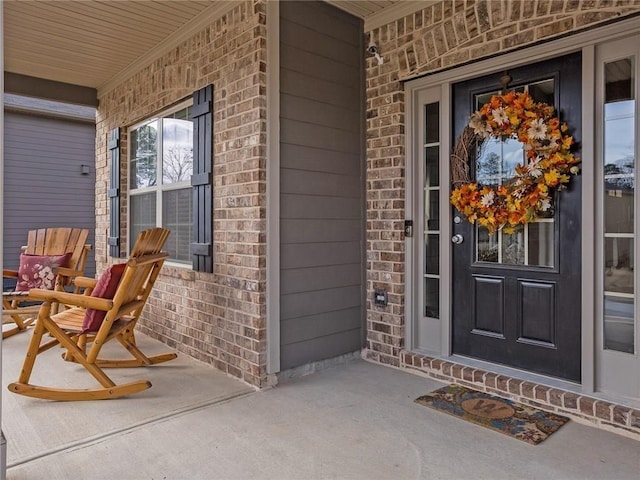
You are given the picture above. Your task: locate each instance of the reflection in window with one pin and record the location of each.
(618, 205)
(177, 150)
(497, 160)
(143, 162)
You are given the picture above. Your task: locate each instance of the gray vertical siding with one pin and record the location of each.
(43, 183)
(321, 184)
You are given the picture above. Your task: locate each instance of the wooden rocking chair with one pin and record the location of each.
(42, 245)
(77, 331)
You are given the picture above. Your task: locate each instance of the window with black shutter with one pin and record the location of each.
(170, 179)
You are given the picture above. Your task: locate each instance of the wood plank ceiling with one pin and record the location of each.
(89, 42)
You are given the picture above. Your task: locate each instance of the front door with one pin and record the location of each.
(516, 297)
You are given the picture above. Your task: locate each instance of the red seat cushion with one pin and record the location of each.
(38, 271)
(105, 288)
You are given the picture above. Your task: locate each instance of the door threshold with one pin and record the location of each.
(517, 373)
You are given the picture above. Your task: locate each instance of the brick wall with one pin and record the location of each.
(443, 35)
(218, 318)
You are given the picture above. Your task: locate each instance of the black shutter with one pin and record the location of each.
(202, 180)
(114, 194)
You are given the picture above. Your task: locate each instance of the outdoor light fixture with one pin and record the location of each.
(375, 51)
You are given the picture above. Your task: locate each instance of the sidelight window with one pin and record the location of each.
(618, 205)
(431, 200)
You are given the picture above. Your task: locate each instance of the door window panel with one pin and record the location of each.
(540, 249)
(618, 206)
(529, 245)
(432, 297)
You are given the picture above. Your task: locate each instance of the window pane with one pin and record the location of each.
(486, 246)
(497, 160)
(177, 148)
(432, 135)
(143, 214)
(432, 167)
(433, 210)
(541, 244)
(619, 166)
(619, 80)
(543, 91)
(143, 149)
(483, 98)
(618, 263)
(513, 247)
(431, 297)
(618, 324)
(177, 217)
(432, 254)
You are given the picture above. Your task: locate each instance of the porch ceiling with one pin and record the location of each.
(91, 43)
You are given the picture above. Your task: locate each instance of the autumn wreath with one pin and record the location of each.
(549, 162)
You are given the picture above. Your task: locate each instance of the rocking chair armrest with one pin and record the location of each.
(67, 272)
(9, 273)
(85, 282)
(72, 299)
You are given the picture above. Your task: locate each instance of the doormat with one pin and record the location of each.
(500, 414)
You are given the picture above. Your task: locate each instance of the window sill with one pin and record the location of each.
(174, 271)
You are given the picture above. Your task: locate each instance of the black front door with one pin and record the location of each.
(516, 298)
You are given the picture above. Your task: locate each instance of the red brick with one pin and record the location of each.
(502, 383)
(490, 380)
(478, 376)
(634, 418)
(586, 405)
(555, 397)
(514, 386)
(603, 410)
(570, 400)
(542, 393)
(621, 415)
(528, 390)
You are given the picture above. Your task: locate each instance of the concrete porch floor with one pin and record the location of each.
(353, 421)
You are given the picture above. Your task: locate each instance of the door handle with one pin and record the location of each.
(457, 239)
